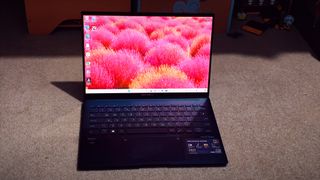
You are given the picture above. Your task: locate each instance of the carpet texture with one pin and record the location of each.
(264, 90)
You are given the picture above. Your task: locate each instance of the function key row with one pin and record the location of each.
(145, 108)
(147, 114)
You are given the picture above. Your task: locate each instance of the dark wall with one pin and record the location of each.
(305, 17)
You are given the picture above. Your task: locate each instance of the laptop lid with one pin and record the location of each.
(146, 55)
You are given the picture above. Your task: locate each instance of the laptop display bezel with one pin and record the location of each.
(144, 95)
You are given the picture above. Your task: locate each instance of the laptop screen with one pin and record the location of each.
(146, 54)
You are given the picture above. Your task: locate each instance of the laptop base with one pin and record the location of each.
(136, 150)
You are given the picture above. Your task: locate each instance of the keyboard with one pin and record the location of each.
(148, 119)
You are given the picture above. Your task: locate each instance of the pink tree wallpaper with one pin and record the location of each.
(147, 52)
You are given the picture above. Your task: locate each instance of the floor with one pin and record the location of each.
(264, 90)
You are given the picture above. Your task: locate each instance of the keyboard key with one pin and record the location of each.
(182, 108)
(198, 130)
(93, 131)
(165, 108)
(102, 109)
(109, 120)
(194, 113)
(93, 120)
(170, 124)
(93, 110)
(186, 123)
(115, 120)
(172, 118)
(128, 125)
(180, 130)
(164, 119)
(146, 114)
(104, 131)
(188, 119)
(132, 119)
(133, 109)
(203, 108)
(137, 114)
(154, 114)
(174, 108)
(181, 118)
(104, 125)
(151, 108)
(196, 108)
(121, 131)
(178, 124)
(162, 124)
(93, 126)
(94, 115)
(136, 125)
(147, 130)
(203, 113)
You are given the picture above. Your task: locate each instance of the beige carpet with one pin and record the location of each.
(265, 93)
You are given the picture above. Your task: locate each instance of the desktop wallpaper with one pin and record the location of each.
(126, 52)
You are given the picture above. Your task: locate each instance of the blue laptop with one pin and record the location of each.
(146, 84)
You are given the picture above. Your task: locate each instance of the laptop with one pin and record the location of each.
(146, 87)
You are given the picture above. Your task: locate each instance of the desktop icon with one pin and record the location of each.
(88, 80)
(87, 46)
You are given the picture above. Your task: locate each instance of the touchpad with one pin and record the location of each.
(155, 148)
